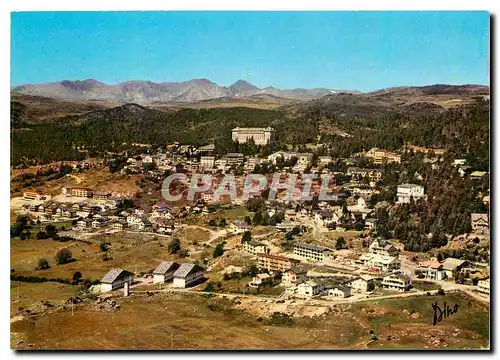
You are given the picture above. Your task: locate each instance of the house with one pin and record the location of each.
(457, 162)
(464, 170)
(324, 160)
(383, 247)
(406, 191)
(450, 265)
(312, 252)
(380, 262)
(339, 291)
(252, 162)
(239, 226)
(187, 274)
(362, 284)
(478, 175)
(275, 263)
(304, 159)
(370, 223)
(293, 277)
(115, 279)
(165, 271)
(432, 270)
(480, 223)
(310, 288)
(484, 286)
(84, 224)
(261, 280)
(119, 225)
(97, 223)
(396, 281)
(254, 247)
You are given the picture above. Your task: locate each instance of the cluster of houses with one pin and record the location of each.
(382, 259)
(181, 275)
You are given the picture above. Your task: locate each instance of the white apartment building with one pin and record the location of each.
(396, 281)
(312, 252)
(207, 162)
(405, 191)
(261, 136)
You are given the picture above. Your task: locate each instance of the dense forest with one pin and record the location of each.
(463, 130)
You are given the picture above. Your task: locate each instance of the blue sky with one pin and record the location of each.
(339, 50)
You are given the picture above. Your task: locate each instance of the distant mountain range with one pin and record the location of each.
(147, 92)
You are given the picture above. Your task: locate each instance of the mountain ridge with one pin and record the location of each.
(146, 91)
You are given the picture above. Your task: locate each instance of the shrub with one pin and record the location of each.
(77, 276)
(219, 249)
(63, 256)
(174, 245)
(281, 319)
(41, 235)
(43, 264)
(103, 246)
(440, 291)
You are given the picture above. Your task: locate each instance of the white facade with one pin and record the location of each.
(261, 136)
(312, 252)
(484, 286)
(362, 284)
(396, 281)
(339, 292)
(207, 162)
(405, 191)
(187, 281)
(310, 288)
(293, 277)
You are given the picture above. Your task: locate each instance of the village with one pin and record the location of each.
(297, 243)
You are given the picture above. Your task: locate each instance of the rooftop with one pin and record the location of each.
(166, 266)
(310, 246)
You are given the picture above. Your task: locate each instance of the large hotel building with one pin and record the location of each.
(261, 136)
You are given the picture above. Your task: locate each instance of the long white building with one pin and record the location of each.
(261, 136)
(405, 191)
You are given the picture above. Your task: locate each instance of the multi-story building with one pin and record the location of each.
(379, 262)
(101, 195)
(312, 252)
(33, 195)
(373, 174)
(276, 263)
(406, 191)
(396, 281)
(261, 136)
(310, 288)
(77, 192)
(379, 156)
(294, 276)
(207, 162)
(234, 159)
(480, 223)
(362, 284)
(254, 247)
(251, 163)
(383, 247)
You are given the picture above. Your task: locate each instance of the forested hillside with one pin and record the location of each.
(464, 130)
